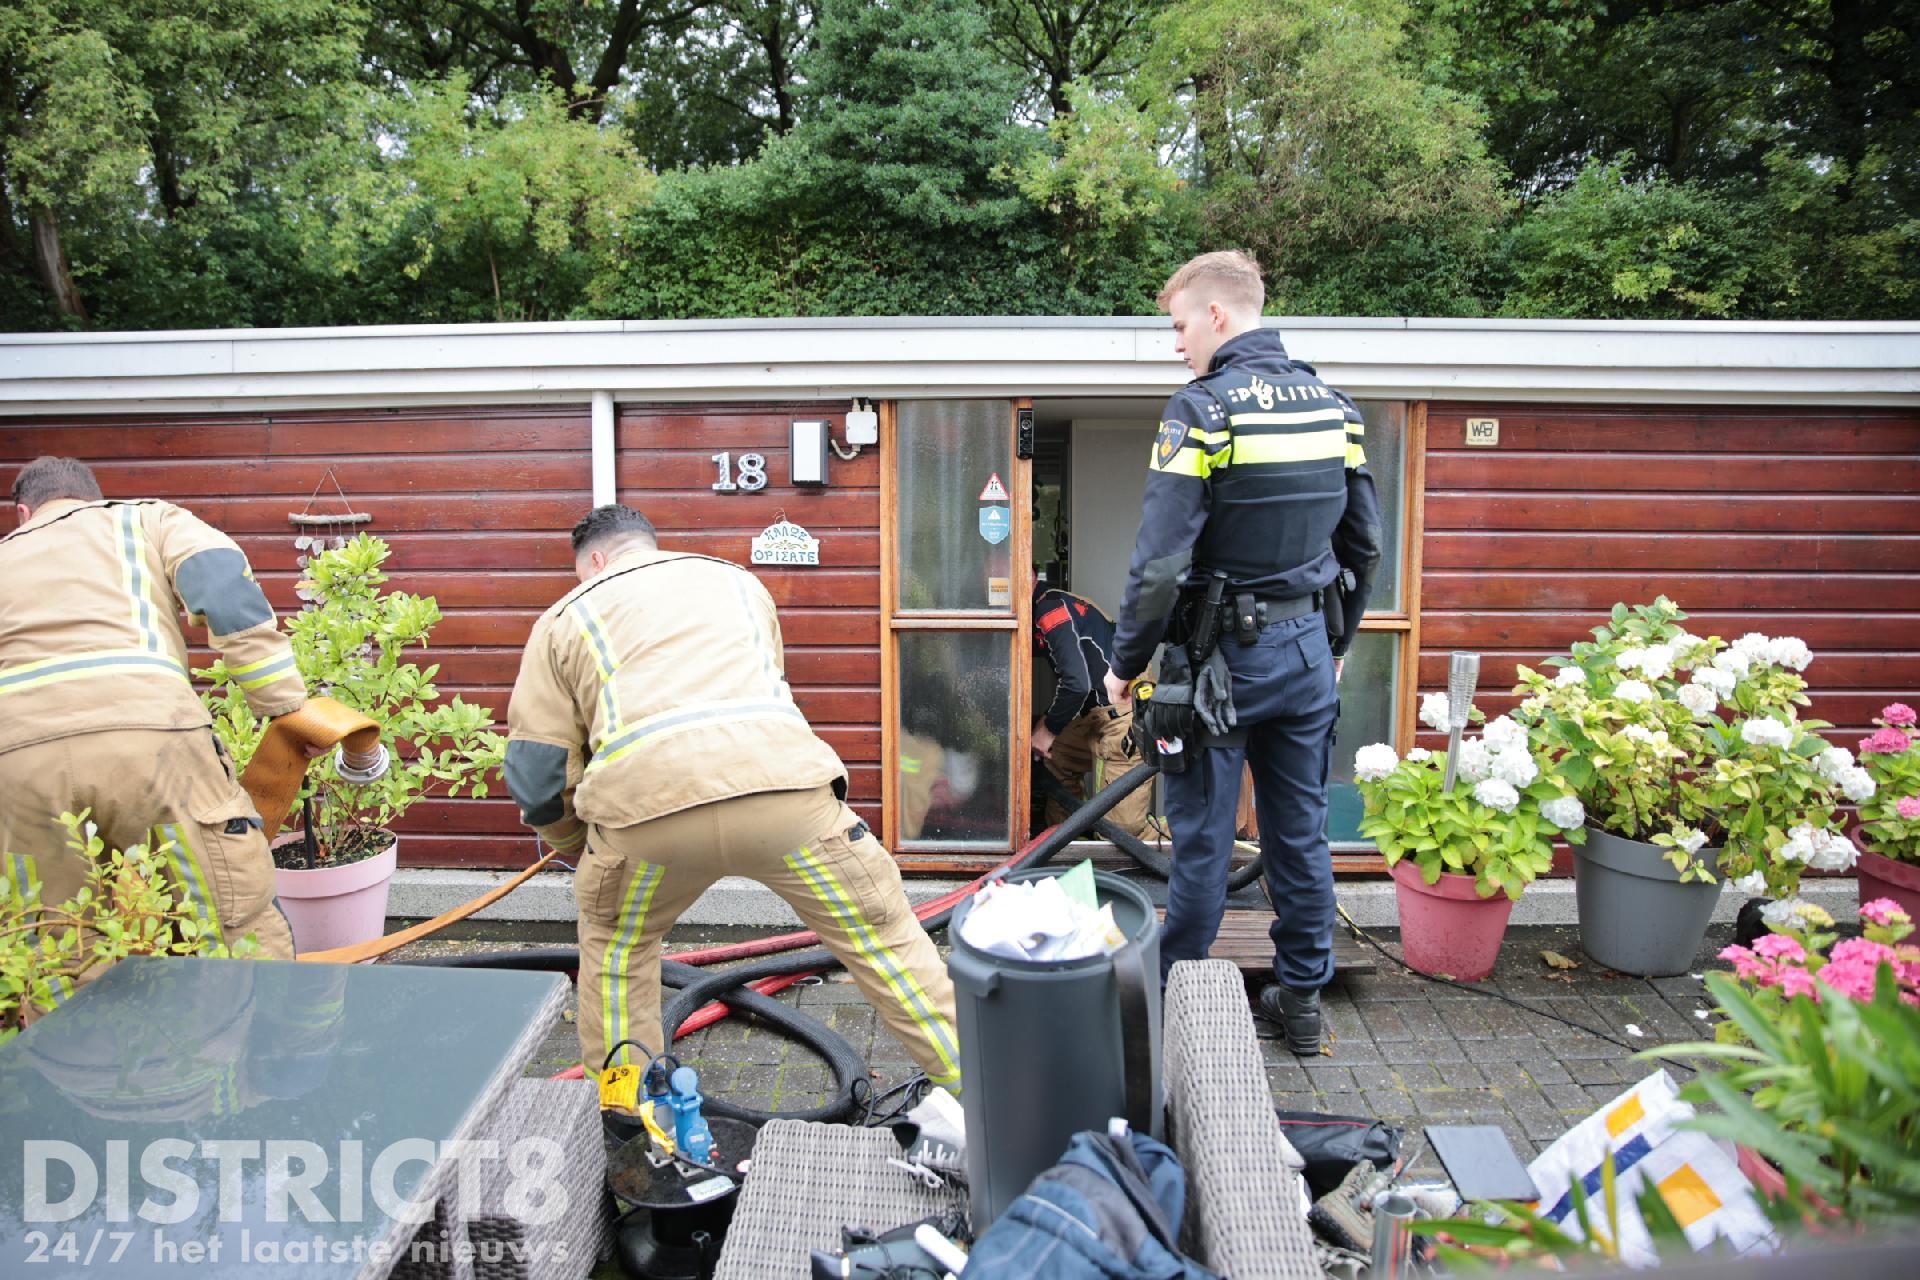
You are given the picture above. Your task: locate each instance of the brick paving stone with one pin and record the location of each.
(1594, 1071)
(1356, 1050)
(1466, 1020)
(1350, 1103)
(1342, 1019)
(1567, 1097)
(1376, 1076)
(1546, 1071)
(1330, 1079)
(1297, 1101)
(1505, 1073)
(1435, 1051)
(1424, 1020)
(1387, 1104)
(1419, 1075)
(1385, 1023)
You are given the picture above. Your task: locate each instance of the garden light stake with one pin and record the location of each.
(1463, 676)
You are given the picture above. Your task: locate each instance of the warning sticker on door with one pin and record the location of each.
(995, 491)
(995, 524)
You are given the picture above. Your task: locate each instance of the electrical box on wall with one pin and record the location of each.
(807, 450)
(863, 424)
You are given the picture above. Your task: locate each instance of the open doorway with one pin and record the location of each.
(1089, 474)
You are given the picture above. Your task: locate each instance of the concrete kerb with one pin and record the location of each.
(418, 894)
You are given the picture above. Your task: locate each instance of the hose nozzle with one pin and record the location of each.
(361, 767)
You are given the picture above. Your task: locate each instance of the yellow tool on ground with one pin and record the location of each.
(280, 762)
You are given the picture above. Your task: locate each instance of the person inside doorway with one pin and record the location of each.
(1083, 740)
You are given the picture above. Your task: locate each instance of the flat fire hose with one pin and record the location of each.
(280, 762)
(359, 952)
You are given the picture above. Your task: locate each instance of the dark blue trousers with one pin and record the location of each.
(1283, 689)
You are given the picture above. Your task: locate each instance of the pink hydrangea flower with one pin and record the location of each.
(1778, 946)
(1853, 966)
(1889, 742)
(1883, 911)
(1898, 713)
(1907, 806)
(1747, 966)
(1798, 982)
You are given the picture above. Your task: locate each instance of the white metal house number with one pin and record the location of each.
(753, 473)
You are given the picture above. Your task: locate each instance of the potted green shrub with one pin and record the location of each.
(1889, 865)
(1460, 858)
(1694, 766)
(351, 643)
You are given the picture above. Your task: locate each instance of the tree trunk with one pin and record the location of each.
(50, 259)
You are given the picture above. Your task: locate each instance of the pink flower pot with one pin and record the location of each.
(1882, 877)
(337, 906)
(1445, 927)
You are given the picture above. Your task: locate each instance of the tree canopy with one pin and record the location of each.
(276, 162)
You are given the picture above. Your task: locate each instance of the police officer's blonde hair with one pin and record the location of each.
(1227, 276)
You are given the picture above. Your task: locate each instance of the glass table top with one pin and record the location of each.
(186, 1117)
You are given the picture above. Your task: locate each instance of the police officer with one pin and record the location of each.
(653, 733)
(96, 709)
(1082, 735)
(1258, 473)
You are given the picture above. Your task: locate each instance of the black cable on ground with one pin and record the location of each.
(699, 986)
(1496, 994)
(1145, 855)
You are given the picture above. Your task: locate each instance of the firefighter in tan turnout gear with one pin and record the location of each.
(653, 734)
(96, 709)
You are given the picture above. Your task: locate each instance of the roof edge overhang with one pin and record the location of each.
(1575, 361)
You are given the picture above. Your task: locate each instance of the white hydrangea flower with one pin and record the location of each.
(1833, 852)
(1790, 652)
(1419, 754)
(1654, 662)
(1692, 840)
(1433, 711)
(1504, 735)
(1856, 784)
(1569, 676)
(1788, 913)
(1716, 679)
(1698, 699)
(1800, 845)
(1765, 731)
(1833, 762)
(1753, 645)
(1688, 650)
(1531, 706)
(1496, 794)
(1735, 662)
(1564, 812)
(1374, 762)
(1638, 733)
(1516, 768)
(1633, 691)
(1475, 762)
(1753, 884)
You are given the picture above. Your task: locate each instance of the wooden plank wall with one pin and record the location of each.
(476, 503)
(829, 615)
(1802, 523)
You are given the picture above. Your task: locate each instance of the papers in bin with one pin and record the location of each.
(1037, 920)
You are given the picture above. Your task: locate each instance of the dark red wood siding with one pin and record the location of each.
(830, 615)
(1788, 522)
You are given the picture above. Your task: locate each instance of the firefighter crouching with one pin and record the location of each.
(96, 708)
(1085, 740)
(653, 736)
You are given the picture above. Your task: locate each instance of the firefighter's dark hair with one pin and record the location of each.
(609, 523)
(48, 479)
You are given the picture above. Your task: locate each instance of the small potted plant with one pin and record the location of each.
(350, 642)
(1889, 866)
(1461, 857)
(1694, 766)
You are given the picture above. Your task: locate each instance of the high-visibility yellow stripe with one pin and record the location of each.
(682, 718)
(193, 884)
(602, 649)
(1256, 419)
(264, 672)
(20, 870)
(613, 972)
(133, 553)
(1356, 456)
(1188, 461)
(28, 675)
(899, 979)
(1307, 446)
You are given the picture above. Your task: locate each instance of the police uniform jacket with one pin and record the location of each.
(656, 686)
(1258, 471)
(90, 635)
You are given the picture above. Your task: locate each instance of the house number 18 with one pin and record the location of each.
(753, 472)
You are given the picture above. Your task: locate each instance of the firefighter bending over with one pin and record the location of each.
(96, 709)
(653, 735)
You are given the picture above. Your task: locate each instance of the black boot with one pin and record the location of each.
(1295, 1012)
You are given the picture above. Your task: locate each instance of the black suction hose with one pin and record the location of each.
(699, 986)
(1145, 855)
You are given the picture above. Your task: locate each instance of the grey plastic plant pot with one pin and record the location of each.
(1042, 1046)
(1635, 915)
